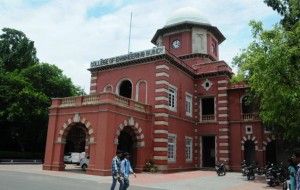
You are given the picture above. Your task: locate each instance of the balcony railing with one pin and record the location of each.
(68, 101)
(249, 116)
(94, 99)
(208, 118)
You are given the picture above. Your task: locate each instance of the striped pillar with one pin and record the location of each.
(93, 85)
(222, 141)
(196, 113)
(161, 110)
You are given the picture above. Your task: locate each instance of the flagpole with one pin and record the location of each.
(129, 33)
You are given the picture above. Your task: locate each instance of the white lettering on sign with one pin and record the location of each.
(122, 58)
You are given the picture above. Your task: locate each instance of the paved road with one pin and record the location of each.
(32, 177)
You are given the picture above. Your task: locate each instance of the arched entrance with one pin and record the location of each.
(127, 143)
(75, 139)
(271, 152)
(249, 152)
(76, 145)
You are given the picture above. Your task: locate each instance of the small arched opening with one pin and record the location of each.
(247, 106)
(125, 89)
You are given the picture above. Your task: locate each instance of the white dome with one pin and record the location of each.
(187, 14)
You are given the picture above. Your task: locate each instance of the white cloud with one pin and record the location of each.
(64, 35)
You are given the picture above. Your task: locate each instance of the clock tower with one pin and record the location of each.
(190, 36)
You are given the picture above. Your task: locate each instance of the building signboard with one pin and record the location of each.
(128, 57)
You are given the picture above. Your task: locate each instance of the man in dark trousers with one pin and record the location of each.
(126, 169)
(296, 160)
(116, 169)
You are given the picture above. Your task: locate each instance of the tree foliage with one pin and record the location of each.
(289, 9)
(271, 65)
(16, 50)
(26, 89)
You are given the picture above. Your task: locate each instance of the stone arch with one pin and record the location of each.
(243, 96)
(136, 134)
(246, 108)
(249, 148)
(90, 135)
(268, 140)
(138, 91)
(108, 88)
(117, 89)
(250, 138)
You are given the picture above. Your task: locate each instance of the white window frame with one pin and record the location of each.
(172, 98)
(248, 132)
(188, 104)
(172, 155)
(188, 149)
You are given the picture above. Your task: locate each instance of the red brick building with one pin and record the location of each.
(173, 104)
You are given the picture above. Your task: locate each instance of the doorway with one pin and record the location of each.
(249, 152)
(208, 151)
(75, 139)
(127, 143)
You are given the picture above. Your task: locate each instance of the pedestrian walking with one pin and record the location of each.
(126, 169)
(296, 160)
(116, 169)
(292, 173)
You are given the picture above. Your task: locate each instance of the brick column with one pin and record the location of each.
(93, 85)
(222, 141)
(161, 113)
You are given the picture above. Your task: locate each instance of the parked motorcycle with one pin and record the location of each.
(250, 173)
(276, 175)
(244, 166)
(272, 176)
(221, 169)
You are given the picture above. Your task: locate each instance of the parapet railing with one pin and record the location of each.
(105, 97)
(249, 116)
(208, 118)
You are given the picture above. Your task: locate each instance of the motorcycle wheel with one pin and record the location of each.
(284, 186)
(250, 177)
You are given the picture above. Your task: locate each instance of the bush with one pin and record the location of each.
(150, 167)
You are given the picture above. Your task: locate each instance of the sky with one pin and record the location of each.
(72, 33)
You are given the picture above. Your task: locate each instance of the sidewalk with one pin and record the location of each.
(193, 180)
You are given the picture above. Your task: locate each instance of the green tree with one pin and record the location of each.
(289, 9)
(271, 66)
(50, 80)
(16, 50)
(26, 89)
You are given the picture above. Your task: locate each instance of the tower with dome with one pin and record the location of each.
(173, 105)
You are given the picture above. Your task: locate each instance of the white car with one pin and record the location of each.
(72, 157)
(75, 157)
(84, 163)
(67, 158)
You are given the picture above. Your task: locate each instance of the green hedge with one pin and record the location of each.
(20, 155)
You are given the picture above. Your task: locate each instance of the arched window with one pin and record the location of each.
(141, 91)
(108, 88)
(247, 106)
(125, 89)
